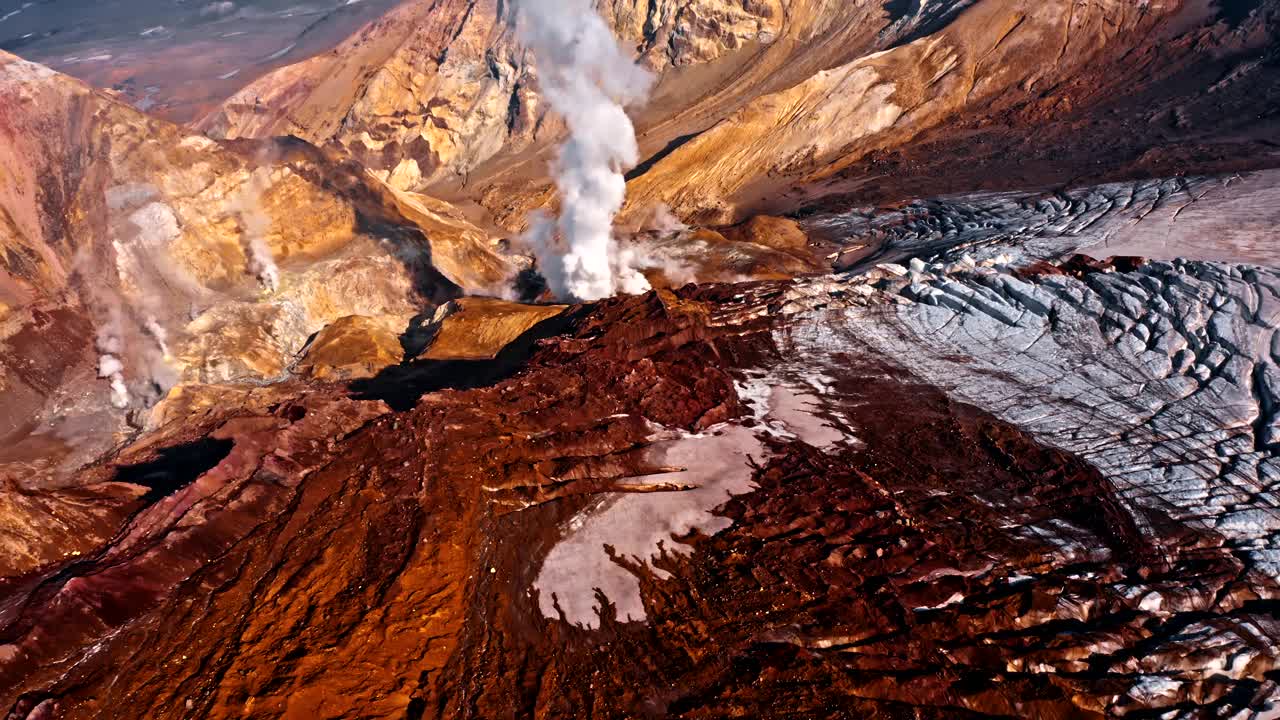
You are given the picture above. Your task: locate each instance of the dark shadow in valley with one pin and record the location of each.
(175, 467)
(1235, 12)
(923, 18)
(401, 386)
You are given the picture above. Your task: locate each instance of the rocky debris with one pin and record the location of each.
(816, 127)
(975, 473)
(1161, 377)
(172, 258)
(253, 501)
(434, 238)
(880, 543)
(771, 106)
(782, 234)
(1194, 96)
(437, 94)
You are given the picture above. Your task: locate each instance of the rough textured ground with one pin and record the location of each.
(772, 106)
(889, 546)
(959, 396)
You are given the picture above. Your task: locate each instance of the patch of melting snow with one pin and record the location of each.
(955, 599)
(1152, 688)
(641, 526)
(788, 409)
(636, 525)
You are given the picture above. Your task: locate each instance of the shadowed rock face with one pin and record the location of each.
(889, 547)
(183, 259)
(438, 95)
(983, 420)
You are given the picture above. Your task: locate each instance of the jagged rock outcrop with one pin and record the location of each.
(139, 256)
(760, 105)
(184, 260)
(834, 117)
(861, 540)
(437, 92)
(480, 328)
(965, 437)
(353, 347)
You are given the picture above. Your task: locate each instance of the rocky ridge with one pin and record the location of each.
(853, 565)
(761, 105)
(936, 445)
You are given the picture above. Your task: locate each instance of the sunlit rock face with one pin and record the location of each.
(956, 396)
(760, 105)
(439, 94)
(734, 491)
(135, 246)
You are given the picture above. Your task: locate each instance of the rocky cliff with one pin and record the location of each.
(758, 105)
(958, 395)
(438, 93)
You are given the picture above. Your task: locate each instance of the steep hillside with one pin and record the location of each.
(760, 104)
(929, 368)
(438, 92)
(138, 251)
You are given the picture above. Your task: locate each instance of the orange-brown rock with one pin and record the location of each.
(778, 233)
(963, 477)
(84, 171)
(180, 258)
(349, 348)
(437, 93)
(815, 127)
(754, 99)
(479, 328)
(322, 556)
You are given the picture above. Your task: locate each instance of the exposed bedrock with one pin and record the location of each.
(864, 540)
(980, 419)
(772, 106)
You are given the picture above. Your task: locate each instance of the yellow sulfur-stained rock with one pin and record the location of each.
(352, 347)
(479, 328)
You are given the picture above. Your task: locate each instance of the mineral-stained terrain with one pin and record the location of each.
(957, 396)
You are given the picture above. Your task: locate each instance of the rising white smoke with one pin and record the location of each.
(110, 345)
(256, 224)
(665, 222)
(588, 80)
(132, 310)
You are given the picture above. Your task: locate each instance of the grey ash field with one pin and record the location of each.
(680, 358)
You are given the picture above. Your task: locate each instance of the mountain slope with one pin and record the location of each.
(915, 445)
(758, 105)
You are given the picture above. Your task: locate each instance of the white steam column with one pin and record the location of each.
(588, 80)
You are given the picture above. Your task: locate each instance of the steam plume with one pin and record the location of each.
(110, 345)
(256, 223)
(587, 79)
